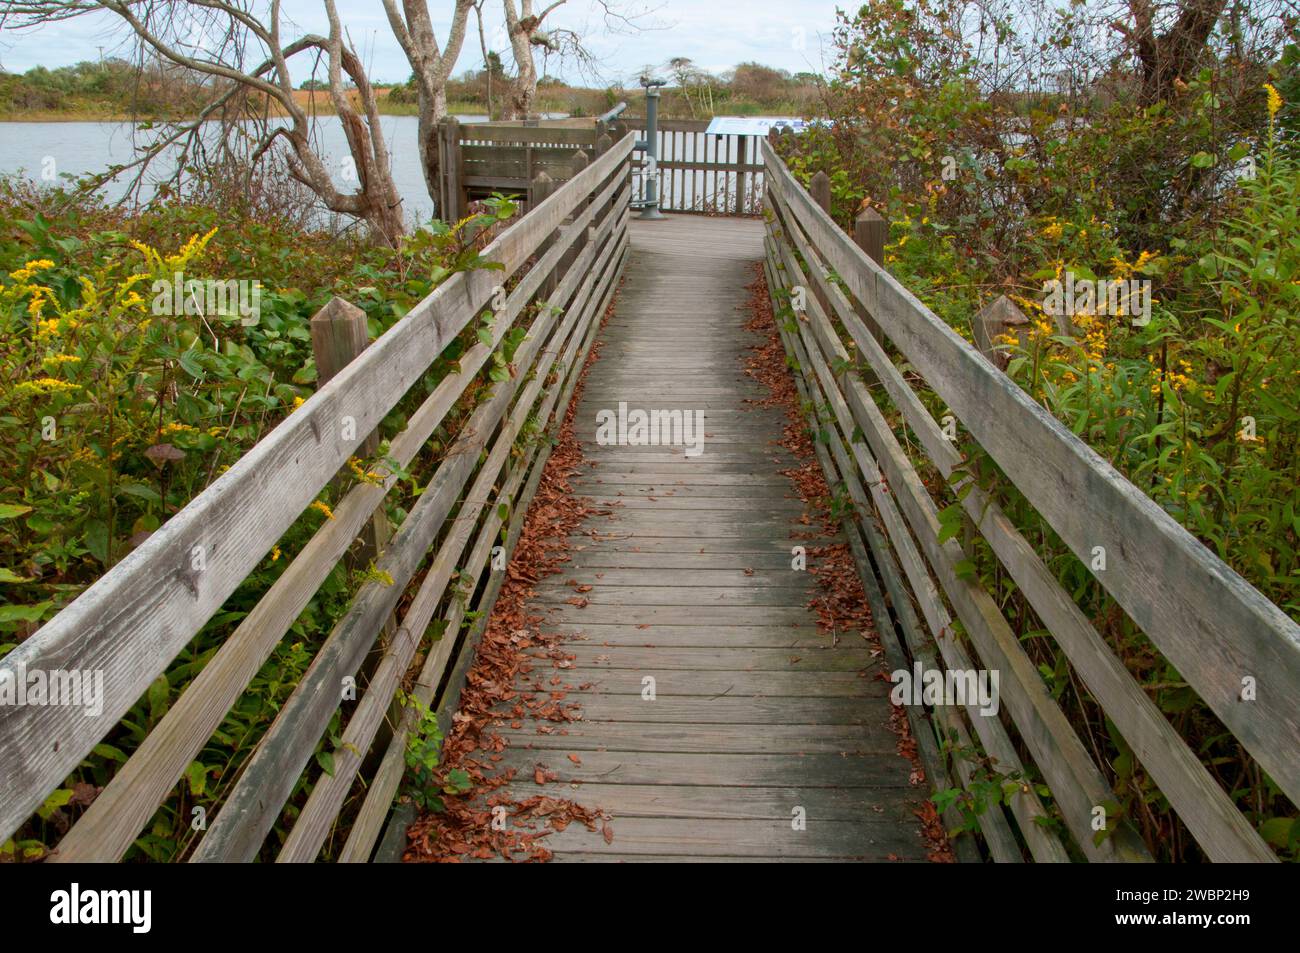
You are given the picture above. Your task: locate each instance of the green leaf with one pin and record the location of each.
(326, 761)
(108, 752)
(189, 361)
(197, 775)
(56, 800)
(32, 613)
(8, 575)
(9, 510)
(1202, 160)
(458, 781)
(96, 540)
(1277, 830)
(159, 693)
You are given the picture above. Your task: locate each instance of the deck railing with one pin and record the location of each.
(1238, 651)
(702, 172)
(478, 159)
(566, 256)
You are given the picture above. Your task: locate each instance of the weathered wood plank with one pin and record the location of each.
(650, 657)
(746, 803)
(868, 738)
(869, 839)
(833, 770)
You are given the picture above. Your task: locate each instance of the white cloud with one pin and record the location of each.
(715, 33)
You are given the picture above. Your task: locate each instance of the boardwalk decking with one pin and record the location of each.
(755, 714)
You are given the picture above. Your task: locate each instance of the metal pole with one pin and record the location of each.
(651, 209)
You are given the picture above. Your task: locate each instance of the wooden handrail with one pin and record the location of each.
(133, 621)
(1235, 633)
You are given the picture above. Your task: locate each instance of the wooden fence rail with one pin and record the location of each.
(1221, 634)
(135, 620)
(700, 172)
(478, 159)
(697, 172)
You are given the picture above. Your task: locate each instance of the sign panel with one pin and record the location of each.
(752, 125)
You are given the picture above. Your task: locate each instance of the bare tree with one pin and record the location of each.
(243, 59)
(487, 60)
(432, 66)
(688, 76)
(527, 30)
(524, 29)
(1175, 53)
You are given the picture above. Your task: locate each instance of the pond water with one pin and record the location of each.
(39, 150)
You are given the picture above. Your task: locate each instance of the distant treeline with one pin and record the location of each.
(749, 89)
(108, 88)
(115, 88)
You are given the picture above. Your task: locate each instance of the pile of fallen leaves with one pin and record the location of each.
(502, 686)
(840, 604)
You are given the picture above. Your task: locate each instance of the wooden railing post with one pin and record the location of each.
(995, 319)
(869, 234)
(577, 164)
(870, 231)
(542, 187)
(603, 144)
(339, 334)
(820, 189)
(742, 150)
(451, 205)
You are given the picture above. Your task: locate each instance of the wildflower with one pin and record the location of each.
(39, 264)
(321, 507)
(43, 387)
(54, 361)
(1274, 100)
(275, 554)
(363, 475)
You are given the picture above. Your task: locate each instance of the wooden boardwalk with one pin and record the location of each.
(756, 717)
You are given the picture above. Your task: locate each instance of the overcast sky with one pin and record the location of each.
(715, 34)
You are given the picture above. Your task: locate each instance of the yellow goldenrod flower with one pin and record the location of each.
(1274, 100)
(39, 264)
(321, 507)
